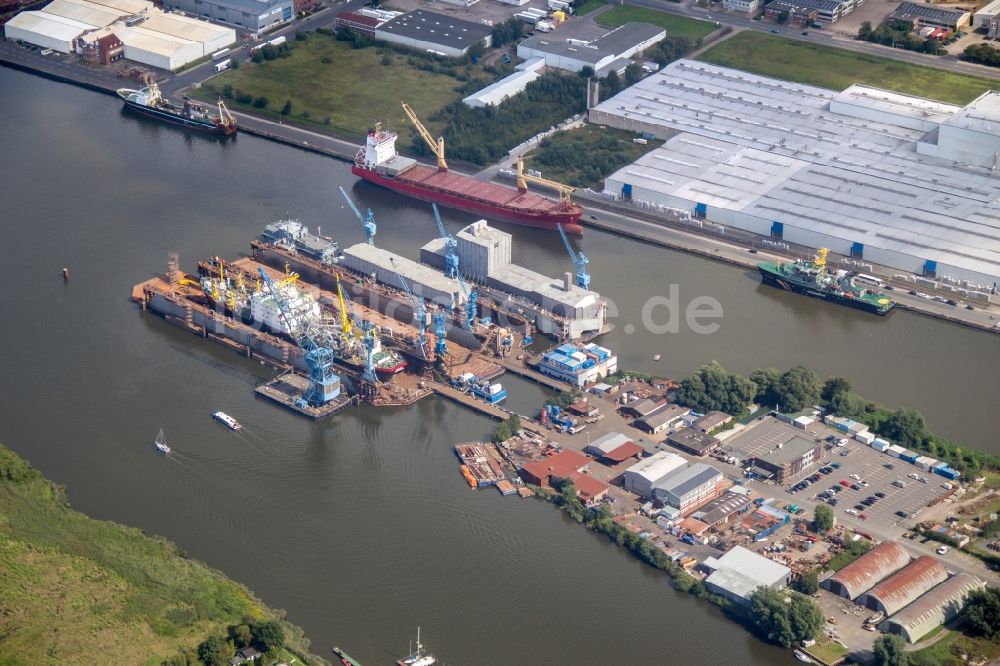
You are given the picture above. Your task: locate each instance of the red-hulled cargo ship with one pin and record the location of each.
(379, 163)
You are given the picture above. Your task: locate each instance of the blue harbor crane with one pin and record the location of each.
(441, 347)
(581, 261)
(450, 246)
(451, 269)
(368, 376)
(324, 383)
(419, 311)
(368, 221)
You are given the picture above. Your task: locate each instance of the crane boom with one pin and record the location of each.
(580, 260)
(437, 147)
(345, 324)
(523, 179)
(367, 221)
(419, 310)
(451, 246)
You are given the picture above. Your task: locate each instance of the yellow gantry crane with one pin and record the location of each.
(437, 147)
(523, 178)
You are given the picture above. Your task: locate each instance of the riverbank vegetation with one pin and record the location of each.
(836, 69)
(585, 156)
(80, 591)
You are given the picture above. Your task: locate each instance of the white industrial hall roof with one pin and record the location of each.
(838, 163)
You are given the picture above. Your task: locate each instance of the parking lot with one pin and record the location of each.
(862, 473)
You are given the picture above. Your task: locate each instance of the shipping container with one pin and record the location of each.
(927, 464)
(222, 66)
(909, 456)
(947, 472)
(865, 437)
(895, 450)
(278, 41)
(218, 55)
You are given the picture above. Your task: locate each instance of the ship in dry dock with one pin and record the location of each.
(378, 163)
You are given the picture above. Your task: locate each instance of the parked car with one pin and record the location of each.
(856, 477)
(835, 465)
(880, 495)
(942, 550)
(853, 512)
(889, 466)
(859, 507)
(902, 514)
(855, 487)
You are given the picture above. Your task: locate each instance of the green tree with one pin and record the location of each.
(587, 72)
(633, 73)
(241, 635)
(823, 518)
(215, 651)
(268, 634)
(808, 583)
(906, 426)
(865, 32)
(849, 405)
(287, 108)
(982, 613)
(785, 622)
(766, 380)
(260, 102)
(507, 429)
(713, 388)
(613, 83)
(890, 650)
(835, 386)
(798, 388)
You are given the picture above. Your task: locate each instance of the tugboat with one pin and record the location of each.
(149, 102)
(160, 444)
(227, 420)
(418, 657)
(812, 278)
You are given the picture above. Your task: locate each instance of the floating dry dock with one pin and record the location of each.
(288, 390)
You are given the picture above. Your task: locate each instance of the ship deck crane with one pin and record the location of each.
(437, 147)
(419, 310)
(524, 178)
(324, 383)
(345, 324)
(367, 221)
(580, 259)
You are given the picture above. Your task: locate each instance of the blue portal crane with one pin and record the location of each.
(451, 269)
(368, 338)
(368, 221)
(324, 383)
(441, 347)
(450, 246)
(419, 311)
(581, 261)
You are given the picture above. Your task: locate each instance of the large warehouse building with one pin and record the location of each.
(739, 572)
(882, 177)
(640, 477)
(904, 586)
(385, 266)
(574, 55)
(253, 15)
(933, 609)
(149, 35)
(438, 33)
(865, 572)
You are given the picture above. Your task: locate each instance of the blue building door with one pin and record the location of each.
(627, 190)
(857, 251)
(777, 230)
(700, 209)
(930, 268)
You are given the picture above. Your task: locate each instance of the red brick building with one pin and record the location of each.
(363, 25)
(102, 47)
(566, 464)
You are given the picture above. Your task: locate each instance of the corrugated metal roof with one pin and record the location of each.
(682, 481)
(864, 572)
(656, 466)
(908, 583)
(935, 607)
(609, 442)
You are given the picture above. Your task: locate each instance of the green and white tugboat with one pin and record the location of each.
(812, 278)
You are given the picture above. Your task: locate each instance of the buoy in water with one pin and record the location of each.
(65, 274)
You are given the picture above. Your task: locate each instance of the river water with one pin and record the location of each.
(361, 527)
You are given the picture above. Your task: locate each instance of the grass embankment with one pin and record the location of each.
(74, 590)
(589, 6)
(675, 25)
(334, 86)
(948, 650)
(585, 156)
(827, 651)
(836, 69)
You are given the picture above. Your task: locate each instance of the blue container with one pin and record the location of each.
(909, 456)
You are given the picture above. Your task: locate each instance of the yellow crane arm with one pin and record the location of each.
(437, 147)
(345, 324)
(523, 179)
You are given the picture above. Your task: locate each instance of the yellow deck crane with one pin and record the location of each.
(437, 147)
(523, 178)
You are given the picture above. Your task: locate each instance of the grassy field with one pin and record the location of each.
(584, 156)
(74, 590)
(589, 6)
(828, 652)
(348, 92)
(946, 650)
(676, 26)
(837, 69)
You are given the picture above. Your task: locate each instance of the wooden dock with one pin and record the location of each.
(469, 401)
(523, 370)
